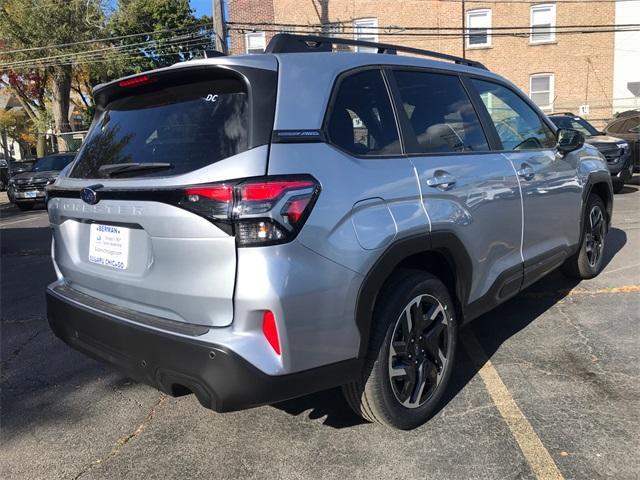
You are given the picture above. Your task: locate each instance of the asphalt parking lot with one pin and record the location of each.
(547, 386)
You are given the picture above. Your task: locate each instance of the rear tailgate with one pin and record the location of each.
(125, 239)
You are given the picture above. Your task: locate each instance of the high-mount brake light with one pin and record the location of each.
(135, 81)
(258, 211)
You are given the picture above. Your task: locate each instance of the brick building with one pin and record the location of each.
(529, 43)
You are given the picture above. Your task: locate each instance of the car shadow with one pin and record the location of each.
(490, 330)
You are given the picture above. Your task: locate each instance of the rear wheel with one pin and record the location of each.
(411, 353)
(588, 261)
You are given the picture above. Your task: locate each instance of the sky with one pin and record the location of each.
(202, 7)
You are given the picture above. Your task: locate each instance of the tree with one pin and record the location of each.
(16, 125)
(29, 88)
(169, 32)
(48, 24)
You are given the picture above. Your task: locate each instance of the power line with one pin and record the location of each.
(113, 48)
(470, 32)
(131, 51)
(397, 27)
(534, 2)
(105, 39)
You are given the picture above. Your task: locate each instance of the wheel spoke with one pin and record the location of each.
(418, 388)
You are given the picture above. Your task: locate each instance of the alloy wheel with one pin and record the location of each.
(594, 237)
(419, 350)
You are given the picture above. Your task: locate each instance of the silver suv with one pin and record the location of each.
(255, 228)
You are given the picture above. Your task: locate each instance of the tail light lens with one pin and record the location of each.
(263, 211)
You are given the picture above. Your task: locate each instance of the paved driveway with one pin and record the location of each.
(547, 386)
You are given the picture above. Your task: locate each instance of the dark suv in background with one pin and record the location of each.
(617, 151)
(26, 189)
(626, 125)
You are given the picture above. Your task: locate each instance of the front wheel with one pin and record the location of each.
(411, 353)
(589, 260)
(618, 185)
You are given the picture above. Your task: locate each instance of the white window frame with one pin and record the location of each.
(477, 13)
(360, 32)
(552, 90)
(260, 35)
(552, 27)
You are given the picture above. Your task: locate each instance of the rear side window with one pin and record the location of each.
(518, 125)
(440, 113)
(183, 127)
(361, 120)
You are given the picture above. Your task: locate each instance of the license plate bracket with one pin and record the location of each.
(109, 245)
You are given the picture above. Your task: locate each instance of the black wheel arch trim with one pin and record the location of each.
(597, 178)
(444, 243)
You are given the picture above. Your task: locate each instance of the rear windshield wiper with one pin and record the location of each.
(114, 169)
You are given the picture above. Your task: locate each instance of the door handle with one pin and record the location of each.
(526, 171)
(443, 181)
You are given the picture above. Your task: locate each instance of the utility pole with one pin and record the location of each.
(219, 26)
(464, 31)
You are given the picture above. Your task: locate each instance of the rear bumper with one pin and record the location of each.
(175, 364)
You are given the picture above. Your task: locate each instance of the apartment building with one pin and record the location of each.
(530, 43)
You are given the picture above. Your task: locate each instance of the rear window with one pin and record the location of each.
(178, 128)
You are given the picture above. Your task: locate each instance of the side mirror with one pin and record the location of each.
(568, 140)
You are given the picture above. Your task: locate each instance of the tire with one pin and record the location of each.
(25, 207)
(618, 185)
(404, 402)
(588, 261)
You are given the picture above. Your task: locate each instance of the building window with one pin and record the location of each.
(287, 29)
(478, 26)
(541, 90)
(255, 42)
(543, 21)
(366, 29)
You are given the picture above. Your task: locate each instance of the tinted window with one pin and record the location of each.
(440, 113)
(627, 125)
(615, 127)
(519, 126)
(188, 126)
(575, 123)
(54, 162)
(362, 121)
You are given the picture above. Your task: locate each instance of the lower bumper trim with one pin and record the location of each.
(220, 379)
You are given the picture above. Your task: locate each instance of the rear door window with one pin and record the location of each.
(361, 120)
(181, 128)
(440, 113)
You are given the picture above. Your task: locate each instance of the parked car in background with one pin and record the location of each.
(4, 174)
(16, 166)
(617, 151)
(221, 237)
(627, 126)
(27, 189)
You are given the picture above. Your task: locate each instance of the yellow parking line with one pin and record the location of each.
(532, 448)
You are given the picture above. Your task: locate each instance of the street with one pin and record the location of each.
(546, 386)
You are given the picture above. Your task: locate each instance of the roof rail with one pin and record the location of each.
(571, 114)
(287, 43)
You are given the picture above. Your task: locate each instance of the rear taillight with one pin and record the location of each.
(262, 211)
